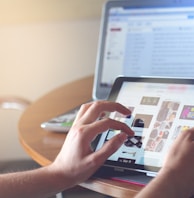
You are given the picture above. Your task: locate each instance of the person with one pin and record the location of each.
(76, 161)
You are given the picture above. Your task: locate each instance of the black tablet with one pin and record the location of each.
(161, 108)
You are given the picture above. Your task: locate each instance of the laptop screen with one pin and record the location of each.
(145, 38)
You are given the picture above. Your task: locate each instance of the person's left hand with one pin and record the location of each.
(76, 160)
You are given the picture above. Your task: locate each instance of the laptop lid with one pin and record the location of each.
(161, 108)
(144, 38)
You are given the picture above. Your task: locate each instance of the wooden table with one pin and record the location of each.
(43, 146)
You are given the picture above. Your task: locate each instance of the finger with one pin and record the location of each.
(98, 107)
(103, 125)
(82, 110)
(109, 148)
(188, 134)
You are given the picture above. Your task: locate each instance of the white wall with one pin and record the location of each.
(35, 58)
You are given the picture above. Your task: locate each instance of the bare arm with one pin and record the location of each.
(176, 178)
(76, 161)
(42, 182)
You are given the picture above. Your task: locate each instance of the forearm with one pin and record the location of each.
(166, 185)
(36, 183)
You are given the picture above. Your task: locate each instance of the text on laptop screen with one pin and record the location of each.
(148, 42)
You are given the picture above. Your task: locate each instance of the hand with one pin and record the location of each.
(179, 162)
(76, 160)
(176, 178)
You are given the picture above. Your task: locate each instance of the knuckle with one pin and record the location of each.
(84, 106)
(97, 104)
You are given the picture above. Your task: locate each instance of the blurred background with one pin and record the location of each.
(43, 45)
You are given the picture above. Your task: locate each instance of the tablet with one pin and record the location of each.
(161, 108)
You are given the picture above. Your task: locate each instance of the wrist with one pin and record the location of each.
(62, 178)
(176, 184)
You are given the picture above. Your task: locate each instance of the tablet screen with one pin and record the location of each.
(161, 109)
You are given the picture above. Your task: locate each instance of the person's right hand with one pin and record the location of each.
(76, 160)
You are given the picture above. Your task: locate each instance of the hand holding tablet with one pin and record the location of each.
(176, 178)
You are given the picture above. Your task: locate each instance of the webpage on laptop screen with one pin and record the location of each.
(149, 42)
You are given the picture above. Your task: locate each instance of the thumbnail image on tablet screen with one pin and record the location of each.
(161, 109)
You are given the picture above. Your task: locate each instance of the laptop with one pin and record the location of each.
(139, 38)
(161, 108)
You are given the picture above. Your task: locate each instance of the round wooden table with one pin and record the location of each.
(44, 146)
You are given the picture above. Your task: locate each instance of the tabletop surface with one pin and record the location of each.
(44, 146)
